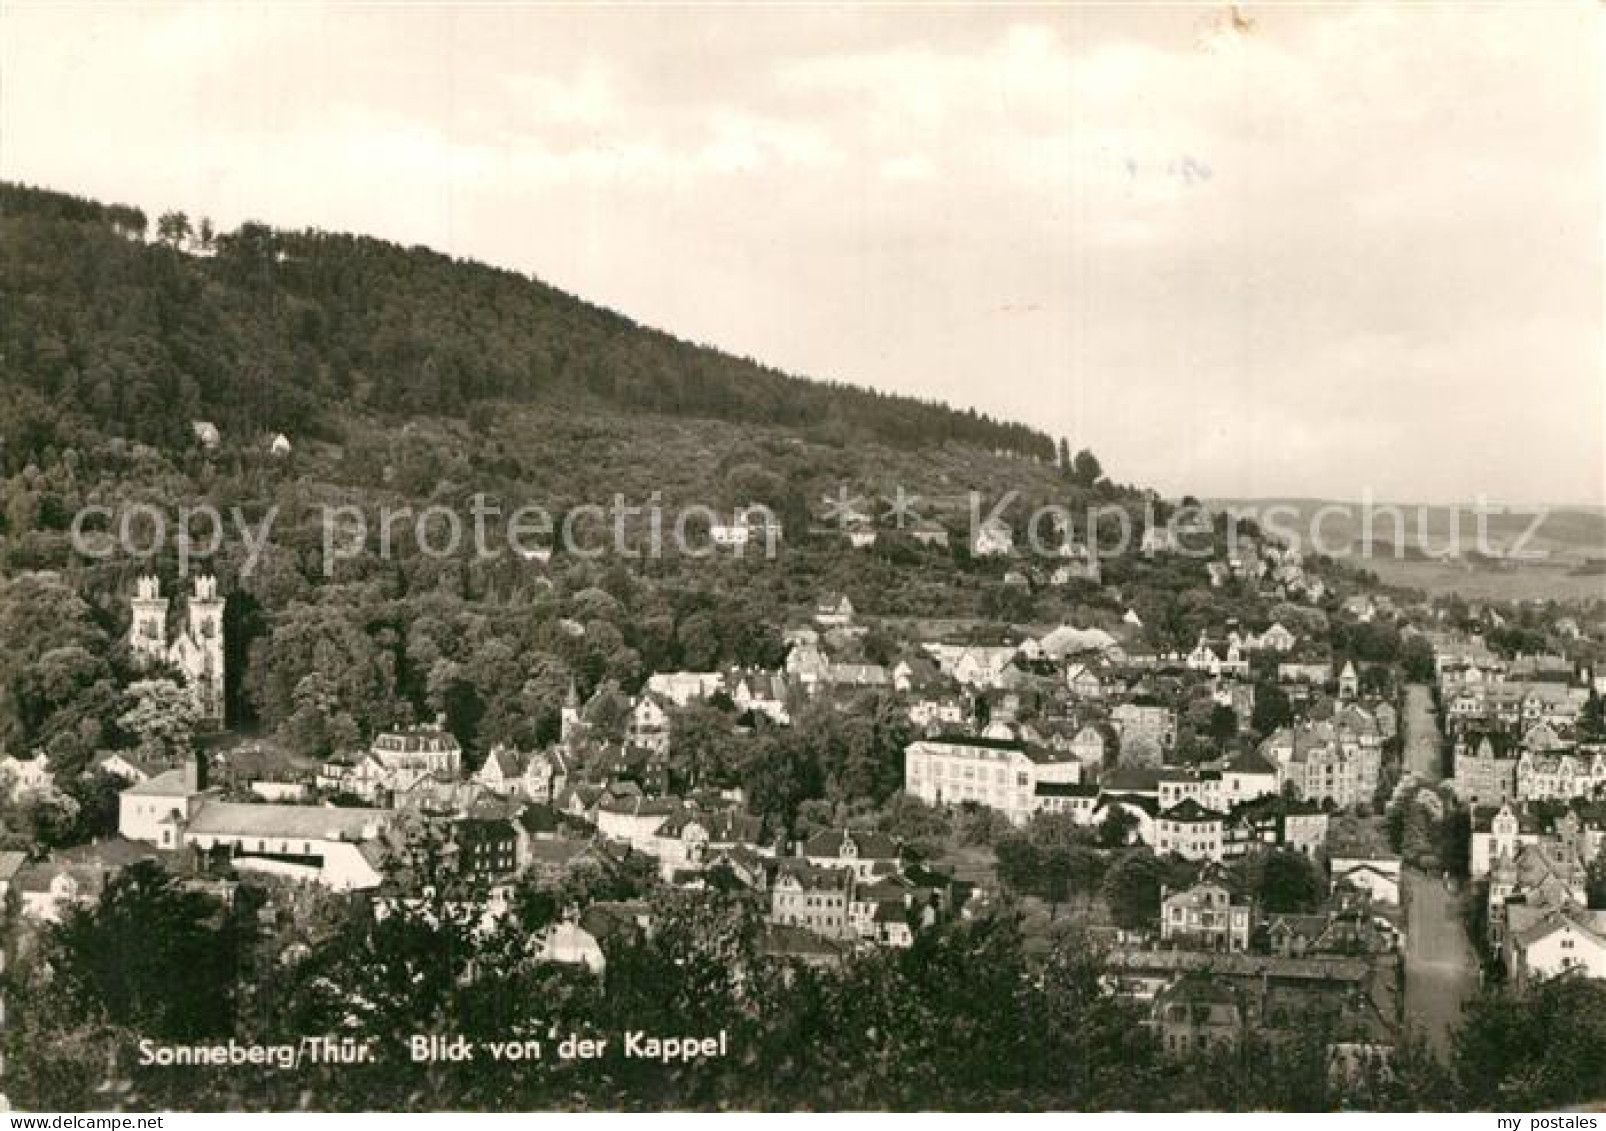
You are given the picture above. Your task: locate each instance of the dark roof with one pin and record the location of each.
(1251, 762)
(1190, 810)
(1131, 779)
(1066, 789)
(870, 845)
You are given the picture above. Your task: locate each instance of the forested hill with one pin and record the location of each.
(116, 326)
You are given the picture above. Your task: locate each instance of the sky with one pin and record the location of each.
(1311, 250)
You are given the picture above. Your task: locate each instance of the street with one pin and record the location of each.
(1440, 969)
(1423, 743)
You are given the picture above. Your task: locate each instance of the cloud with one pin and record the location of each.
(1324, 249)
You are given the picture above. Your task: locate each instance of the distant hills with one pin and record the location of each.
(1430, 531)
(1566, 547)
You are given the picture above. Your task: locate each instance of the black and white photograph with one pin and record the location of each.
(802, 557)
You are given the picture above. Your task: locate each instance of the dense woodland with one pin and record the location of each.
(105, 330)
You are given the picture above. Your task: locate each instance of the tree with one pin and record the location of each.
(1086, 469)
(37, 818)
(1020, 866)
(1117, 827)
(906, 818)
(1538, 1049)
(1272, 709)
(981, 824)
(1223, 724)
(173, 228)
(779, 776)
(95, 795)
(1596, 883)
(153, 954)
(1453, 845)
(1290, 883)
(1416, 657)
(1592, 719)
(703, 747)
(163, 716)
(1132, 890)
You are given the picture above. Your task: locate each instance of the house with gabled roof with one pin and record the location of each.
(1084, 681)
(1377, 875)
(648, 724)
(1553, 941)
(632, 817)
(1197, 1014)
(833, 610)
(25, 775)
(502, 770)
(1206, 916)
(1246, 776)
(1191, 831)
(47, 890)
(759, 692)
(815, 899)
(865, 854)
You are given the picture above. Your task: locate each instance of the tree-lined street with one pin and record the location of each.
(1440, 968)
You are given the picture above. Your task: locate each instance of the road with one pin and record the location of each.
(1424, 745)
(1440, 969)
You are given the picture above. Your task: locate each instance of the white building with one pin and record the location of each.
(1207, 916)
(753, 522)
(992, 539)
(406, 756)
(25, 775)
(339, 848)
(157, 810)
(1191, 831)
(1002, 775)
(1379, 876)
(1547, 941)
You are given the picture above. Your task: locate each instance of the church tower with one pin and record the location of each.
(147, 635)
(206, 633)
(1505, 829)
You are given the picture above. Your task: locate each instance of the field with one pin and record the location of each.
(1527, 582)
(1441, 549)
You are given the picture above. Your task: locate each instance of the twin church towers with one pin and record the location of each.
(196, 650)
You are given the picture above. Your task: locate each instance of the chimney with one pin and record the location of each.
(195, 773)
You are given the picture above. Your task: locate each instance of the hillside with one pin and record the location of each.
(109, 330)
(407, 380)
